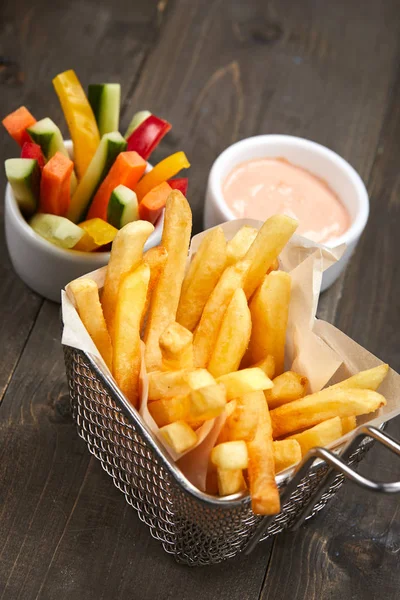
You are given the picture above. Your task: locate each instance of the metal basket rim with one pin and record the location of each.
(227, 502)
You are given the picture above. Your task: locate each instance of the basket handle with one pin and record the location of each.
(336, 465)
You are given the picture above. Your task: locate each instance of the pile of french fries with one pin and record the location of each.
(214, 336)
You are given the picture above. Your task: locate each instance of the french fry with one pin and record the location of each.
(267, 364)
(230, 481)
(274, 266)
(348, 424)
(233, 337)
(176, 344)
(199, 378)
(270, 241)
(230, 455)
(242, 423)
(204, 272)
(241, 382)
(287, 387)
(370, 379)
(179, 435)
(237, 247)
(168, 410)
(126, 255)
(206, 403)
(210, 322)
(261, 469)
(269, 309)
(156, 258)
(126, 332)
(86, 294)
(321, 406)
(286, 454)
(166, 384)
(165, 297)
(320, 435)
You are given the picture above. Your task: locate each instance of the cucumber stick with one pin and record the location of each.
(110, 146)
(23, 175)
(137, 120)
(47, 135)
(122, 207)
(57, 230)
(104, 98)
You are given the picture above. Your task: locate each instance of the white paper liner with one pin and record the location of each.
(314, 348)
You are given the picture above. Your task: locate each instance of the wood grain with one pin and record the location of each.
(219, 72)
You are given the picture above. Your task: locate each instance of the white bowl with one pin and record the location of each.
(44, 267)
(317, 159)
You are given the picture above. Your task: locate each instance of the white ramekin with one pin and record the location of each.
(317, 159)
(44, 267)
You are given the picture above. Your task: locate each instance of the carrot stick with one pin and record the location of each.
(55, 185)
(154, 201)
(16, 124)
(126, 170)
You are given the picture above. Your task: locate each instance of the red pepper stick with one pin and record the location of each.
(148, 135)
(179, 183)
(32, 150)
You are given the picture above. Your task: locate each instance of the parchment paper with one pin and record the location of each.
(314, 348)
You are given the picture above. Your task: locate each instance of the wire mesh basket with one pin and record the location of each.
(196, 528)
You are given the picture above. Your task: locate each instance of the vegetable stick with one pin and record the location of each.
(154, 201)
(55, 185)
(126, 170)
(17, 123)
(163, 171)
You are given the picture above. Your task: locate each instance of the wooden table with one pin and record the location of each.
(219, 71)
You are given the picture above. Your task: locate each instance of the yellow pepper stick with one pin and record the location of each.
(165, 169)
(97, 234)
(80, 119)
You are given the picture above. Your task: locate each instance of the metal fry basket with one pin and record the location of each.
(196, 528)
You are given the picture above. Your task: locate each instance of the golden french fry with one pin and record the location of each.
(274, 266)
(320, 435)
(242, 423)
(210, 322)
(348, 424)
(230, 455)
(199, 378)
(370, 379)
(204, 272)
(179, 435)
(166, 384)
(267, 365)
(126, 332)
(233, 337)
(241, 382)
(230, 481)
(261, 469)
(321, 406)
(165, 297)
(286, 454)
(270, 241)
(237, 247)
(156, 258)
(86, 294)
(269, 309)
(168, 410)
(207, 402)
(126, 255)
(176, 344)
(287, 387)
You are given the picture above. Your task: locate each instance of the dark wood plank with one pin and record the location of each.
(352, 549)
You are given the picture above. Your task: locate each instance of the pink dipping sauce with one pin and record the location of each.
(263, 187)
